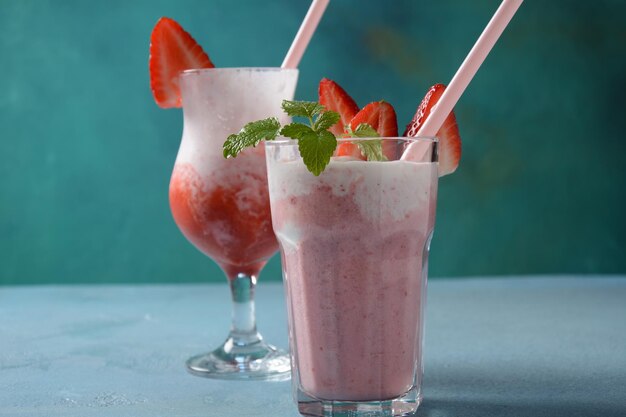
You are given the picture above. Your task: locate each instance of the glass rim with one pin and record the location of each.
(428, 139)
(235, 69)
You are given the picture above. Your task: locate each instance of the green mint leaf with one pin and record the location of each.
(316, 148)
(302, 108)
(364, 130)
(250, 135)
(372, 149)
(295, 130)
(326, 120)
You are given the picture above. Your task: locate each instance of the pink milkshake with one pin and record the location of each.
(354, 244)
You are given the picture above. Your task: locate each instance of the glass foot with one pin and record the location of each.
(255, 361)
(402, 406)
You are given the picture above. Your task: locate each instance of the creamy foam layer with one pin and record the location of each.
(390, 188)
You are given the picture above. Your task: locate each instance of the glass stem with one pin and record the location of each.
(243, 331)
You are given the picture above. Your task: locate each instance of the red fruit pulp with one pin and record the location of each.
(232, 225)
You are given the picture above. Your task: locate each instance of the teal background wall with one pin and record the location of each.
(86, 154)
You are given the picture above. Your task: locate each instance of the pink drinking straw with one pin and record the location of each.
(299, 44)
(466, 72)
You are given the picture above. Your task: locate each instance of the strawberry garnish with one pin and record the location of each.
(381, 116)
(335, 98)
(172, 50)
(349, 149)
(448, 134)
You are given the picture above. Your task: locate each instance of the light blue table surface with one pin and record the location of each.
(534, 346)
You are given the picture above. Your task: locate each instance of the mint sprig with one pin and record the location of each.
(250, 135)
(308, 109)
(315, 142)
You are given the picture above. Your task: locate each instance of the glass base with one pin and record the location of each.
(256, 361)
(404, 405)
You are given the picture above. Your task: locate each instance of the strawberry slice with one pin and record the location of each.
(172, 50)
(335, 98)
(349, 149)
(448, 134)
(382, 117)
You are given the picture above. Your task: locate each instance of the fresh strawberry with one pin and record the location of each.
(448, 134)
(335, 98)
(349, 149)
(382, 117)
(172, 50)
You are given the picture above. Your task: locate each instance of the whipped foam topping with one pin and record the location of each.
(390, 188)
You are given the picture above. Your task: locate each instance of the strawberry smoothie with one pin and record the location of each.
(354, 244)
(220, 205)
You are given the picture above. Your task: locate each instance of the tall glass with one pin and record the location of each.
(222, 206)
(354, 244)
